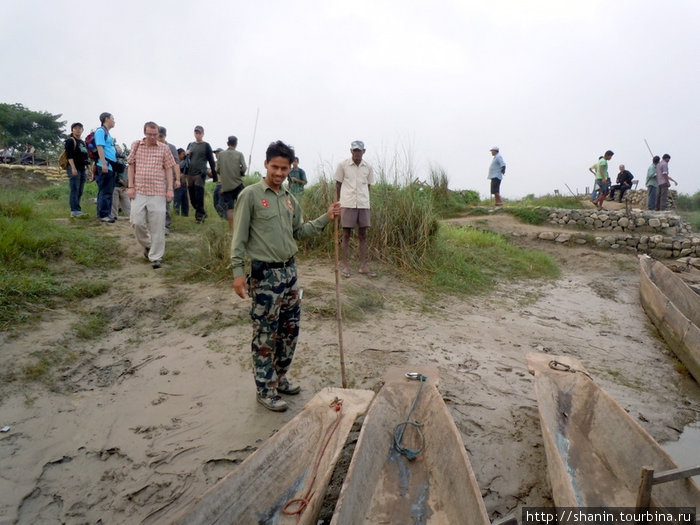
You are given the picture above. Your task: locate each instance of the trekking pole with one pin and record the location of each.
(255, 129)
(338, 305)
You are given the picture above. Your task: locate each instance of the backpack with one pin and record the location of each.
(63, 158)
(91, 146)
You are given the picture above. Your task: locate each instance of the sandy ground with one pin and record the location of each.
(162, 406)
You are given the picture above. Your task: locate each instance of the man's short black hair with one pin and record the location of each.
(232, 141)
(104, 116)
(75, 125)
(162, 131)
(666, 156)
(609, 152)
(656, 159)
(279, 149)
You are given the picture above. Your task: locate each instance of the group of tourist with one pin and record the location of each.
(265, 219)
(658, 182)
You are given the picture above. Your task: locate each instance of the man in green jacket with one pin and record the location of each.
(268, 219)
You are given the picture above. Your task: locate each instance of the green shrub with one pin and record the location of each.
(529, 215)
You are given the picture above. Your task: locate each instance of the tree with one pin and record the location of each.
(19, 125)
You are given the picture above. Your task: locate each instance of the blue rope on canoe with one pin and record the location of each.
(399, 429)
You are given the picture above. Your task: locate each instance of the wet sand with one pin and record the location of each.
(160, 408)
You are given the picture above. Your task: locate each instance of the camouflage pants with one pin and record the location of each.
(275, 312)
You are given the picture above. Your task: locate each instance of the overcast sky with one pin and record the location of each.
(553, 83)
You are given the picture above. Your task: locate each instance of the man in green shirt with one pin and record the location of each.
(231, 170)
(297, 179)
(602, 180)
(268, 220)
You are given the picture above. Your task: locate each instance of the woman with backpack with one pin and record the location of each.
(77, 161)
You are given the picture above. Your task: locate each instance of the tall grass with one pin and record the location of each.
(41, 259)
(689, 209)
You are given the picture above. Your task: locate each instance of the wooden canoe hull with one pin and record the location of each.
(674, 309)
(382, 486)
(595, 450)
(281, 468)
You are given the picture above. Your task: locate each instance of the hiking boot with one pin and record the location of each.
(285, 387)
(156, 265)
(273, 403)
(107, 219)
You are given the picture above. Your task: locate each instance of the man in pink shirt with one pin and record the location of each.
(663, 178)
(150, 188)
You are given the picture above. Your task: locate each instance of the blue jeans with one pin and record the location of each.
(76, 184)
(651, 202)
(105, 189)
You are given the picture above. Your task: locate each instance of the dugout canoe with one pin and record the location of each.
(595, 450)
(283, 467)
(674, 308)
(382, 486)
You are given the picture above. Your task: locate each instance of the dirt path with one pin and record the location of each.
(162, 406)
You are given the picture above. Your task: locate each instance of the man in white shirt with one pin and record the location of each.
(353, 179)
(496, 172)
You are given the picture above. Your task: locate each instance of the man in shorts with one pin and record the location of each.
(602, 179)
(353, 179)
(231, 170)
(496, 171)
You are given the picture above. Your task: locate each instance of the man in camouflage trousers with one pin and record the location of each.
(267, 220)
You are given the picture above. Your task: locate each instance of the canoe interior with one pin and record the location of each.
(595, 450)
(383, 487)
(280, 469)
(674, 309)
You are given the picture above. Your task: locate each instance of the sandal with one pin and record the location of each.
(368, 273)
(346, 274)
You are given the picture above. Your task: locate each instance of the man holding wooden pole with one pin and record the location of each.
(268, 219)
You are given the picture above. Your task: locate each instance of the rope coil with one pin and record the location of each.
(563, 367)
(399, 429)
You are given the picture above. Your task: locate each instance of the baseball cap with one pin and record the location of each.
(495, 148)
(199, 128)
(357, 144)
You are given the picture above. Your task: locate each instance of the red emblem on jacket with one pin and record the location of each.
(265, 203)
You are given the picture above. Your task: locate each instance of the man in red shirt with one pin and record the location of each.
(150, 187)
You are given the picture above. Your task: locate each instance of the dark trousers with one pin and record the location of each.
(181, 202)
(105, 189)
(197, 199)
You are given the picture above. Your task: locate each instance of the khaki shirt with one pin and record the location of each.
(231, 168)
(355, 180)
(266, 225)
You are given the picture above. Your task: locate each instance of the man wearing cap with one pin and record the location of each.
(353, 179)
(231, 170)
(268, 220)
(200, 153)
(496, 172)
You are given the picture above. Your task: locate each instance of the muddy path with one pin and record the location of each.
(161, 406)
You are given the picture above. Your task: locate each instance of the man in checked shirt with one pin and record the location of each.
(150, 187)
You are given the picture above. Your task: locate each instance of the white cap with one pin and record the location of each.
(495, 148)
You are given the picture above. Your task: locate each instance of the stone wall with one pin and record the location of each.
(660, 234)
(633, 220)
(657, 245)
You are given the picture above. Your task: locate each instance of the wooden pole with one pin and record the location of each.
(255, 129)
(338, 305)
